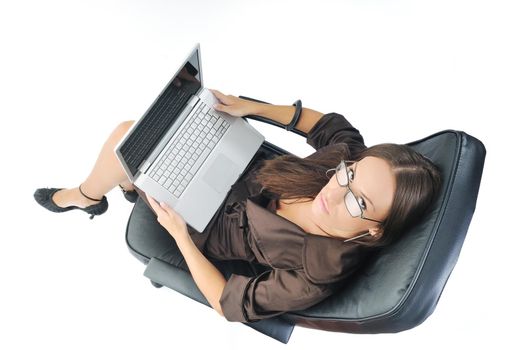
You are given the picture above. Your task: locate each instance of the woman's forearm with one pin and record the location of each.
(208, 278)
(284, 115)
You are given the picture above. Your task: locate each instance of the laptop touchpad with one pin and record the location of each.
(221, 175)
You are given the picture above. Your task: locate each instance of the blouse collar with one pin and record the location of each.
(324, 259)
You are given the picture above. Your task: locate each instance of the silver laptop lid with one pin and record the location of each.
(142, 138)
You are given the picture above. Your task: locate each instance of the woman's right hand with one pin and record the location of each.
(235, 106)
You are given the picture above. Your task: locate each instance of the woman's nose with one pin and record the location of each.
(335, 197)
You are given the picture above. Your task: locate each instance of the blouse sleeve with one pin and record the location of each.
(334, 128)
(273, 292)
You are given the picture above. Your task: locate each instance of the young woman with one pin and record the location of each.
(307, 222)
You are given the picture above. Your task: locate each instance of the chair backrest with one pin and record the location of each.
(401, 285)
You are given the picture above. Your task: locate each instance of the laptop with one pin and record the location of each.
(184, 152)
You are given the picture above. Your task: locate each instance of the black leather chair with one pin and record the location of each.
(395, 291)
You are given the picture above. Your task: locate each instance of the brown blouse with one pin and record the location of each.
(302, 268)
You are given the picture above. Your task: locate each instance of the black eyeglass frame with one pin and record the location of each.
(343, 163)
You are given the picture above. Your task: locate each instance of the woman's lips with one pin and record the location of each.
(323, 204)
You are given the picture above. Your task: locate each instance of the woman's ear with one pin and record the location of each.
(374, 231)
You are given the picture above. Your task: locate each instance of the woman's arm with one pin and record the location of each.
(208, 278)
(239, 107)
(284, 115)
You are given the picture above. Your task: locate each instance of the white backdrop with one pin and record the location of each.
(398, 70)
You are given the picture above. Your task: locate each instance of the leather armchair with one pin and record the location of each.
(396, 290)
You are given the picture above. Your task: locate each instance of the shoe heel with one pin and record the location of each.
(95, 209)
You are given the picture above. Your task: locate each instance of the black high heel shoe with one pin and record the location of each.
(43, 196)
(131, 196)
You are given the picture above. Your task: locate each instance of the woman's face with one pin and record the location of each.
(373, 185)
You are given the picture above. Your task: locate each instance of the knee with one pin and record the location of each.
(119, 131)
(123, 127)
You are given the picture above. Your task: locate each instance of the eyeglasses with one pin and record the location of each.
(344, 177)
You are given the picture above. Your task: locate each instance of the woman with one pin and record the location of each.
(307, 234)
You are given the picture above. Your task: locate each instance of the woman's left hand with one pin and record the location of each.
(169, 219)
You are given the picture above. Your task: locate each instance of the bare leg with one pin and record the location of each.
(105, 175)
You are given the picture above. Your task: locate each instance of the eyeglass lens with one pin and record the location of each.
(351, 202)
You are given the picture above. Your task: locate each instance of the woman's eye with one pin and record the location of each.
(362, 203)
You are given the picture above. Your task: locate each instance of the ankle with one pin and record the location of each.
(71, 196)
(87, 196)
(126, 188)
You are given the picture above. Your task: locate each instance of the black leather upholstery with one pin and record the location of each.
(397, 290)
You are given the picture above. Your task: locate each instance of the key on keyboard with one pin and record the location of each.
(179, 163)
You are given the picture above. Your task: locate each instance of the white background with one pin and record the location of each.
(398, 70)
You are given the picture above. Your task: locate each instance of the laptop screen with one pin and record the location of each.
(189, 77)
(162, 114)
(184, 85)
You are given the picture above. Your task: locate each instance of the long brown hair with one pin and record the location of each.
(418, 182)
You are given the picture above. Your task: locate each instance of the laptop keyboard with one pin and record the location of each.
(154, 125)
(195, 141)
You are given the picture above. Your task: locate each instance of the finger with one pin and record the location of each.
(170, 211)
(218, 95)
(166, 207)
(151, 202)
(174, 215)
(154, 204)
(219, 107)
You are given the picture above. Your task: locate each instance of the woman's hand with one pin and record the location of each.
(169, 219)
(235, 106)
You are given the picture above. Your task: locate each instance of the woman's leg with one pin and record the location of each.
(105, 175)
